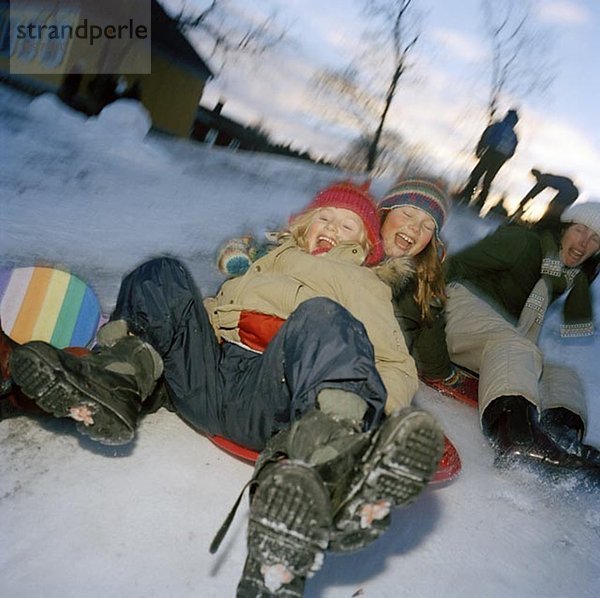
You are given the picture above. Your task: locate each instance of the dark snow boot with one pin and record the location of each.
(295, 478)
(288, 531)
(103, 390)
(329, 444)
(566, 429)
(403, 455)
(13, 402)
(511, 423)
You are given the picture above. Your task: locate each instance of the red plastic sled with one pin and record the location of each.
(467, 392)
(237, 450)
(450, 464)
(449, 467)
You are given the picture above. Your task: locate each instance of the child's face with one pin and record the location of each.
(330, 226)
(578, 243)
(406, 231)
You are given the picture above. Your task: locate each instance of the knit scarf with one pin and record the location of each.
(556, 278)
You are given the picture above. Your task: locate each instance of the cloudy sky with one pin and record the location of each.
(440, 106)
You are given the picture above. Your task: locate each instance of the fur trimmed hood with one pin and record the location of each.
(397, 272)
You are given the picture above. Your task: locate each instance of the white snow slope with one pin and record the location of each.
(77, 519)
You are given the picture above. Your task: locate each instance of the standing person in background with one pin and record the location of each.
(498, 293)
(566, 195)
(496, 145)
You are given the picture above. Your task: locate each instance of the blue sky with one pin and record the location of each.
(441, 103)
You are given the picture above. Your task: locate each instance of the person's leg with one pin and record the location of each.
(325, 363)
(158, 309)
(467, 191)
(494, 162)
(160, 303)
(509, 369)
(561, 387)
(482, 340)
(321, 345)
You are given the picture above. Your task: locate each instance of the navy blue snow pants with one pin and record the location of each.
(222, 388)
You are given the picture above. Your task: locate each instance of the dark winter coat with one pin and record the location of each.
(503, 268)
(499, 137)
(426, 340)
(564, 185)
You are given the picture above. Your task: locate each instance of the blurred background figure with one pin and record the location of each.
(566, 194)
(496, 145)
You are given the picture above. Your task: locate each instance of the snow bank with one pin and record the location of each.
(124, 118)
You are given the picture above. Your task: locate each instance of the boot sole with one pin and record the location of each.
(403, 457)
(290, 521)
(36, 368)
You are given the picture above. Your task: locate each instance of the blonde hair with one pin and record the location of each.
(430, 287)
(300, 224)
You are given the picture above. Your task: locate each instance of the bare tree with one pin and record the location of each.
(390, 157)
(520, 52)
(395, 155)
(346, 100)
(394, 29)
(364, 92)
(228, 30)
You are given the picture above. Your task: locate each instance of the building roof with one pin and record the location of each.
(212, 118)
(167, 37)
(246, 134)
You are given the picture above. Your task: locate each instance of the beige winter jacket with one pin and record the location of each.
(277, 283)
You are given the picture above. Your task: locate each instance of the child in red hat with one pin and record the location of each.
(301, 357)
(347, 207)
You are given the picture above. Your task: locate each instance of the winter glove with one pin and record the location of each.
(233, 258)
(459, 385)
(237, 255)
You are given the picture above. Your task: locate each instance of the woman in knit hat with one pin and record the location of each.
(300, 357)
(413, 213)
(499, 290)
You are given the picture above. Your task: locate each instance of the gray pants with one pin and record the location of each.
(482, 340)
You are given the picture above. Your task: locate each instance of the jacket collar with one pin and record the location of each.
(397, 272)
(348, 252)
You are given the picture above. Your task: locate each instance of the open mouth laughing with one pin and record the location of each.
(403, 241)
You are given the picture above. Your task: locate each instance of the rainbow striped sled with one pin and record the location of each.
(41, 303)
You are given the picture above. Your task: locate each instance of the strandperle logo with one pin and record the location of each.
(58, 37)
(85, 31)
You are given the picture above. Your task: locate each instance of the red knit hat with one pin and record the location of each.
(357, 199)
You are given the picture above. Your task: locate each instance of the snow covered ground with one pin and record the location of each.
(77, 519)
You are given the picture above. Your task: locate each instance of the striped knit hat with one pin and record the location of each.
(418, 193)
(586, 213)
(357, 199)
